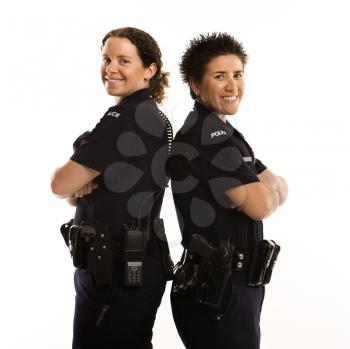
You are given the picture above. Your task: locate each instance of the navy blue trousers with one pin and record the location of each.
(129, 319)
(239, 328)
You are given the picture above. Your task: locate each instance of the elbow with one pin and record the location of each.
(259, 215)
(283, 192)
(57, 189)
(257, 201)
(266, 206)
(263, 210)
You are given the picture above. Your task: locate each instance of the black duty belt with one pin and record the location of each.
(92, 247)
(208, 268)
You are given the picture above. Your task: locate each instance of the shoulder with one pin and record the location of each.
(115, 116)
(110, 116)
(214, 131)
(204, 130)
(146, 117)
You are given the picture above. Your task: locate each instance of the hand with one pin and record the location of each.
(276, 183)
(269, 178)
(85, 190)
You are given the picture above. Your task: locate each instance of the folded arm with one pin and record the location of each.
(276, 183)
(71, 179)
(259, 200)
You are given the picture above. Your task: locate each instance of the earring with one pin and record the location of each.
(145, 79)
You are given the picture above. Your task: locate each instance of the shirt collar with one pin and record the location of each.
(203, 112)
(201, 109)
(137, 96)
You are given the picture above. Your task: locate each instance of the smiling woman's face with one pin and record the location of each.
(222, 86)
(122, 70)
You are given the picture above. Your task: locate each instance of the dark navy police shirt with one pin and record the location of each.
(129, 146)
(209, 157)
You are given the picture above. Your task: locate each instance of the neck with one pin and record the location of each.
(222, 117)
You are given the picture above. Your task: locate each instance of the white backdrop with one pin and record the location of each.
(295, 114)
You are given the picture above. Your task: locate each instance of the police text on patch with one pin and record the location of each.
(218, 133)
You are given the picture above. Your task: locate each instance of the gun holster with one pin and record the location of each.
(214, 274)
(90, 248)
(207, 268)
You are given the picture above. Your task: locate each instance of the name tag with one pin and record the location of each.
(247, 158)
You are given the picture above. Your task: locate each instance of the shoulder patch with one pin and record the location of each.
(247, 158)
(214, 131)
(218, 133)
(113, 113)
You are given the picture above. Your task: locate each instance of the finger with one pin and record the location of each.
(86, 189)
(89, 188)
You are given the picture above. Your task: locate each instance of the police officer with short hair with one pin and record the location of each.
(118, 174)
(221, 193)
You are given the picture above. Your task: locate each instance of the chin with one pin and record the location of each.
(114, 93)
(226, 112)
(232, 111)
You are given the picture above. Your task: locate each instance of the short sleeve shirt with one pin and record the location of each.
(209, 157)
(129, 148)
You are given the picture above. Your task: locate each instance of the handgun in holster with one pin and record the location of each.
(215, 270)
(186, 271)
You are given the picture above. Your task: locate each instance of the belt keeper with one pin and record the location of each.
(239, 264)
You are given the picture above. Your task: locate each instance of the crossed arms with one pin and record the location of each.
(259, 200)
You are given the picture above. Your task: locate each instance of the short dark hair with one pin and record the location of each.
(202, 49)
(149, 53)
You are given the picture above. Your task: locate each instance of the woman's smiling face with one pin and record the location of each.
(222, 86)
(122, 69)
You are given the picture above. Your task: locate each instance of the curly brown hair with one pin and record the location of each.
(202, 49)
(149, 53)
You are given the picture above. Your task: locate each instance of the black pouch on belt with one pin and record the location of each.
(262, 263)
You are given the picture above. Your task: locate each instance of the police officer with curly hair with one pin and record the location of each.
(116, 177)
(222, 192)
